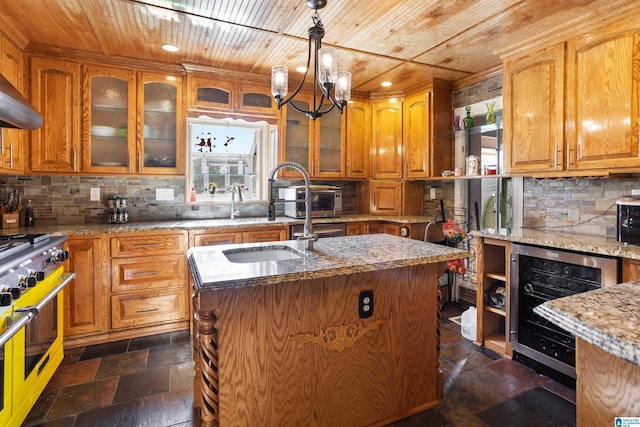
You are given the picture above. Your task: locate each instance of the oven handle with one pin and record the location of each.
(13, 329)
(65, 279)
(32, 310)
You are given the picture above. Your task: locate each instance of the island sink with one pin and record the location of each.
(263, 254)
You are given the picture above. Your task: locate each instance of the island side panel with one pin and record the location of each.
(387, 374)
(273, 369)
(264, 379)
(607, 386)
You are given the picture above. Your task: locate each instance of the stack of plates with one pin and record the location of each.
(103, 131)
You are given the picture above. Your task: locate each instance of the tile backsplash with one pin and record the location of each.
(66, 199)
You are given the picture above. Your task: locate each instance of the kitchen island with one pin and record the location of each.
(345, 335)
(606, 324)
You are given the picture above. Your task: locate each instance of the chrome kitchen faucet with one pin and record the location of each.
(308, 237)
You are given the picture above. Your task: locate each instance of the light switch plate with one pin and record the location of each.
(164, 194)
(432, 193)
(635, 191)
(94, 196)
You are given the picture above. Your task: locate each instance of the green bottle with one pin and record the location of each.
(468, 121)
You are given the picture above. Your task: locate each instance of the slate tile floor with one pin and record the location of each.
(148, 382)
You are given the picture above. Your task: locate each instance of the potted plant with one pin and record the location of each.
(212, 188)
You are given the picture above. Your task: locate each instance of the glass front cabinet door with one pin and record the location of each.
(160, 148)
(109, 120)
(319, 146)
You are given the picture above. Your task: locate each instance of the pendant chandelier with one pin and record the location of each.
(325, 74)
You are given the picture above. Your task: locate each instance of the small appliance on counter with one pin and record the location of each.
(326, 201)
(628, 219)
(118, 206)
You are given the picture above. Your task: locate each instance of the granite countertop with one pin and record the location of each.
(607, 318)
(549, 237)
(330, 257)
(198, 224)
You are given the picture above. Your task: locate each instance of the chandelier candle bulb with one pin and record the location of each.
(279, 81)
(328, 69)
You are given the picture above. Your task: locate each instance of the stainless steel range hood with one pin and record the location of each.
(15, 110)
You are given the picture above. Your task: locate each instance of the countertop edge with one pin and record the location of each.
(613, 344)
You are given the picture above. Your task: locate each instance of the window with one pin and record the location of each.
(225, 153)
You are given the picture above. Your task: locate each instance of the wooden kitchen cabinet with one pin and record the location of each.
(161, 147)
(317, 145)
(533, 111)
(389, 197)
(55, 93)
(603, 97)
(630, 270)
(109, 120)
(149, 285)
(386, 139)
(13, 144)
(214, 237)
(228, 94)
(427, 143)
(492, 324)
(85, 297)
(358, 144)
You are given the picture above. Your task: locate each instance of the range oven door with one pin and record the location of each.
(37, 347)
(10, 324)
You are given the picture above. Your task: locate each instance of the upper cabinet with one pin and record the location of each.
(132, 122)
(386, 138)
(358, 144)
(576, 106)
(55, 93)
(603, 97)
(13, 141)
(411, 137)
(161, 148)
(230, 95)
(109, 120)
(317, 145)
(428, 146)
(533, 111)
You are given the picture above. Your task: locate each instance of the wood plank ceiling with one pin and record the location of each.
(403, 41)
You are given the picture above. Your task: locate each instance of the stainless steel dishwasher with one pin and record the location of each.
(541, 274)
(322, 230)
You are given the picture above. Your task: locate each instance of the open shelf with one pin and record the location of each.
(498, 276)
(496, 310)
(496, 343)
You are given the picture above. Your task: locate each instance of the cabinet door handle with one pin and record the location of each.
(147, 245)
(139, 164)
(146, 310)
(75, 157)
(146, 273)
(1, 141)
(11, 155)
(130, 162)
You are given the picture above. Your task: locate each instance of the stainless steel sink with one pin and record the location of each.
(263, 254)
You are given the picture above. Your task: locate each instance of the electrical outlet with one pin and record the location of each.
(432, 193)
(94, 196)
(164, 194)
(365, 304)
(635, 192)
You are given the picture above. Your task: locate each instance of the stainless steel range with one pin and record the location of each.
(31, 307)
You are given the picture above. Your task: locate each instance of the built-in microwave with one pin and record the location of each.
(628, 219)
(326, 201)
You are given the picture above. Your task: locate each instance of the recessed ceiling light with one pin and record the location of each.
(386, 84)
(171, 78)
(301, 69)
(170, 47)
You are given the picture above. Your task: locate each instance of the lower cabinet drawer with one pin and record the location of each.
(144, 308)
(142, 273)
